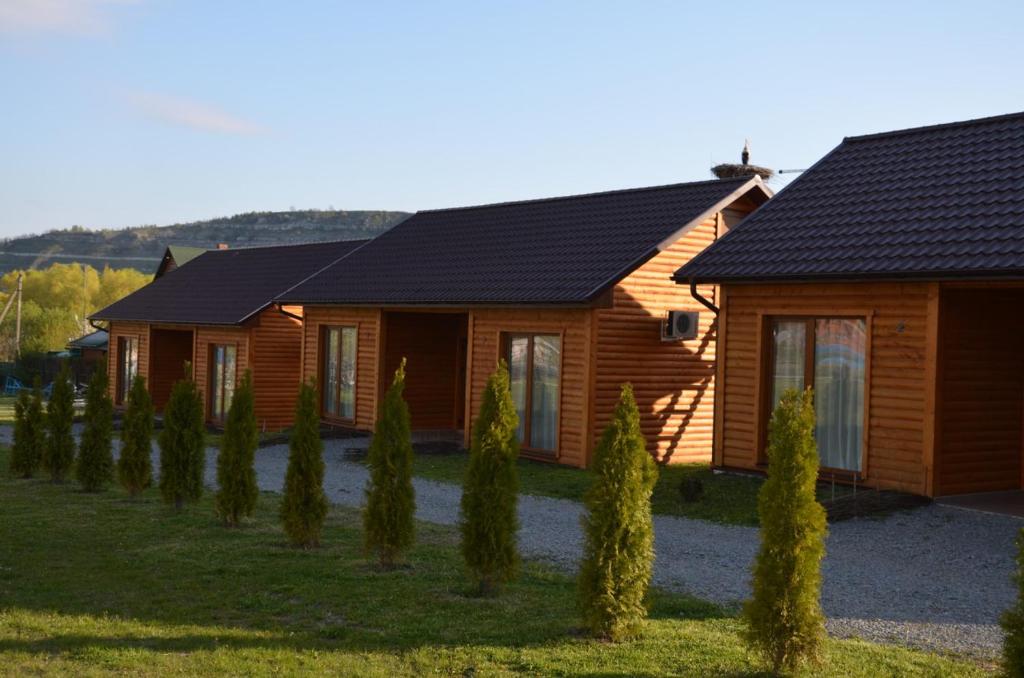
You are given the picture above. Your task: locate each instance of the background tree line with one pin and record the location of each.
(57, 300)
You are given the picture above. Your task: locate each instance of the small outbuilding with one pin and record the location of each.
(217, 313)
(889, 277)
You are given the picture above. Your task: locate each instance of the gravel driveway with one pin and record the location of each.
(935, 577)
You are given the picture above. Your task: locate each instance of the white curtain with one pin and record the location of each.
(330, 380)
(517, 365)
(839, 346)
(347, 408)
(547, 363)
(789, 339)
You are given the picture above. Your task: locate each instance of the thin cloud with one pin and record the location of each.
(192, 114)
(67, 17)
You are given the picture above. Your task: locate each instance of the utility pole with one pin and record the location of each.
(17, 323)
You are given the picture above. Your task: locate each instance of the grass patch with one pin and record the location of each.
(99, 584)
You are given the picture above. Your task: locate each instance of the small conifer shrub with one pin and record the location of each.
(304, 506)
(182, 444)
(388, 519)
(618, 554)
(784, 621)
(95, 459)
(134, 467)
(59, 452)
(29, 438)
(1012, 621)
(489, 523)
(236, 476)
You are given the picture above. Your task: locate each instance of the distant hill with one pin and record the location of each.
(141, 247)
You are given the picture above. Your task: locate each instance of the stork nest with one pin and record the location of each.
(733, 171)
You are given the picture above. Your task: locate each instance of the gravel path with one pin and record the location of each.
(935, 577)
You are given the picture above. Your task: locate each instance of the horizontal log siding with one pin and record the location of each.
(486, 327)
(171, 349)
(982, 392)
(127, 329)
(897, 391)
(276, 368)
(367, 320)
(207, 337)
(673, 381)
(430, 344)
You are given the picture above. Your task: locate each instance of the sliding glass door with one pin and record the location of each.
(223, 370)
(535, 374)
(127, 366)
(339, 378)
(828, 355)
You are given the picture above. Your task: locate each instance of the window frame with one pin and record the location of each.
(213, 370)
(124, 381)
(767, 372)
(323, 333)
(506, 354)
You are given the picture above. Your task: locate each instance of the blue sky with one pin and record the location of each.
(127, 112)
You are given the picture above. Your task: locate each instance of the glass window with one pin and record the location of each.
(223, 372)
(789, 347)
(339, 379)
(518, 364)
(535, 366)
(833, 365)
(127, 365)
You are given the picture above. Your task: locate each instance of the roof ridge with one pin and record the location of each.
(576, 196)
(291, 244)
(939, 126)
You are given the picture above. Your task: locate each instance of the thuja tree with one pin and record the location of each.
(619, 549)
(134, 468)
(784, 621)
(59, 452)
(95, 459)
(489, 494)
(304, 506)
(29, 437)
(182, 444)
(236, 477)
(388, 524)
(1012, 621)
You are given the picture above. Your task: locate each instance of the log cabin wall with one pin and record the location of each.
(898, 385)
(276, 355)
(673, 381)
(368, 349)
(430, 342)
(486, 327)
(982, 391)
(126, 329)
(170, 348)
(206, 337)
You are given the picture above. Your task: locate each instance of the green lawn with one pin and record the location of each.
(727, 498)
(98, 584)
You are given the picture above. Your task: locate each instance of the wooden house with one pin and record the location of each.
(175, 256)
(574, 292)
(890, 278)
(217, 312)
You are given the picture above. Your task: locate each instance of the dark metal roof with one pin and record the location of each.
(938, 202)
(564, 250)
(97, 340)
(225, 287)
(179, 255)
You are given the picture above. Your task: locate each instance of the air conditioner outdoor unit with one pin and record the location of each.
(680, 325)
